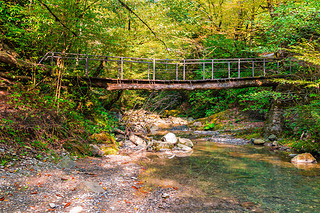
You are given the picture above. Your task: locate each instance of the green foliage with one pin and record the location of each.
(219, 46)
(289, 24)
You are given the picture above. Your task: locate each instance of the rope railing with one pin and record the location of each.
(116, 67)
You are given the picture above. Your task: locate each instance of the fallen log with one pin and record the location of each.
(12, 61)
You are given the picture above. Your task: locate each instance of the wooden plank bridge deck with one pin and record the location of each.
(125, 73)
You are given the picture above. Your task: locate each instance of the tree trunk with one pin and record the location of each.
(18, 63)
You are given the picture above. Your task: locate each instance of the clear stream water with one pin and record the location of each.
(245, 173)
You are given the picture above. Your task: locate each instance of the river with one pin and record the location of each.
(240, 178)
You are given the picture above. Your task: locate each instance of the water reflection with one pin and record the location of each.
(240, 174)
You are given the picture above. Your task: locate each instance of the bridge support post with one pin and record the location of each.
(184, 70)
(204, 71)
(148, 71)
(212, 69)
(121, 68)
(252, 68)
(154, 69)
(118, 75)
(177, 72)
(87, 66)
(239, 66)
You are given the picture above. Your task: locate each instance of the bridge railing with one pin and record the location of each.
(168, 69)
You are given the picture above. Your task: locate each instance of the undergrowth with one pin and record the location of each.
(36, 123)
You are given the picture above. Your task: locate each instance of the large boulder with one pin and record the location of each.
(186, 142)
(258, 141)
(304, 158)
(170, 138)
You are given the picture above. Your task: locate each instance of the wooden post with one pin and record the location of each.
(148, 71)
(212, 69)
(87, 66)
(184, 70)
(229, 68)
(252, 68)
(204, 71)
(177, 72)
(118, 69)
(154, 69)
(239, 66)
(264, 67)
(121, 68)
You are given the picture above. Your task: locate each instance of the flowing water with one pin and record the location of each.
(248, 175)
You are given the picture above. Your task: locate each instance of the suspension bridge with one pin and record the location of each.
(127, 73)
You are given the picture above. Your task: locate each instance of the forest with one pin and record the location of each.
(50, 112)
(69, 146)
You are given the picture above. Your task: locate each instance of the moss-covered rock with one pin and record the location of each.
(105, 138)
(76, 148)
(109, 150)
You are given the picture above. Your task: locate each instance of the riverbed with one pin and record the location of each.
(232, 178)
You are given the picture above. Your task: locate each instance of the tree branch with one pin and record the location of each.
(57, 19)
(131, 11)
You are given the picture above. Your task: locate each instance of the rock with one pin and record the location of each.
(153, 129)
(95, 150)
(109, 150)
(304, 158)
(272, 137)
(292, 155)
(159, 146)
(183, 148)
(66, 163)
(91, 187)
(137, 140)
(190, 119)
(258, 141)
(268, 144)
(197, 124)
(170, 138)
(186, 142)
(165, 195)
(103, 138)
(52, 205)
(275, 143)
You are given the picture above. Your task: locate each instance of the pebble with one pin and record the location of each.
(165, 195)
(52, 205)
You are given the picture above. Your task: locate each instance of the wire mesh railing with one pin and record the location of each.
(115, 67)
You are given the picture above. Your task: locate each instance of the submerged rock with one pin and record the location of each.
(183, 147)
(304, 158)
(186, 142)
(159, 146)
